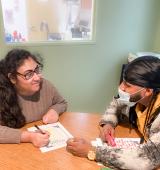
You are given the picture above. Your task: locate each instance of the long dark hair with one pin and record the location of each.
(10, 111)
(15, 58)
(145, 72)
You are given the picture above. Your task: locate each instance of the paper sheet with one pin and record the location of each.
(58, 136)
(120, 142)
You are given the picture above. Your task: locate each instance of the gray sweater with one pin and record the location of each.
(33, 108)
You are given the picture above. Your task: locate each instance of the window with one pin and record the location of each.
(47, 20)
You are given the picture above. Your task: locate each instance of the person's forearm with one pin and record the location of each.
(9, 135)
(26, 136)
(59, 107)
(110, 115)
(37, 139)
(59, 103)
(129, 158)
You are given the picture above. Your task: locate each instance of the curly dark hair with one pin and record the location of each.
(15, 58)
(10, 111)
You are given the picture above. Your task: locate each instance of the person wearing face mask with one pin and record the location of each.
(138, 102)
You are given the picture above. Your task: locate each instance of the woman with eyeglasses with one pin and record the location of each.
(35, 98)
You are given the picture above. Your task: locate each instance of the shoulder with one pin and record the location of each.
(47, 84)
(47, 87)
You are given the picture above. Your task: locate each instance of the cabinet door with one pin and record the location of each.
(41, 19)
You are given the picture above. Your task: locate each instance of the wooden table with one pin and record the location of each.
(25, 156)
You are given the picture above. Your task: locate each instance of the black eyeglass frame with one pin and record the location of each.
(30, 73)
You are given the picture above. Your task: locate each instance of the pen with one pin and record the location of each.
(37, 127)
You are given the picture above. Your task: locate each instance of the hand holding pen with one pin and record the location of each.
(39, 129)
(110, 139)
(107, 134)
(40, 138)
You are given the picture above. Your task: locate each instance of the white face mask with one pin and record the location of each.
(124, 97)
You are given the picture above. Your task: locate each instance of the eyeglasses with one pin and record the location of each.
(30, 73)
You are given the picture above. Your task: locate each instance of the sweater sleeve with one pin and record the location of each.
(114, 113)
(9, 135)
(59, 104)
(110, 115)
(143, 157)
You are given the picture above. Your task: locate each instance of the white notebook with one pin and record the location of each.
(58, 136)
(120, 142)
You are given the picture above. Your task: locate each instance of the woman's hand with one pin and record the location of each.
(78, 147)
(107, 133)
(36, 138)
(39, 139)
(50, 117)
